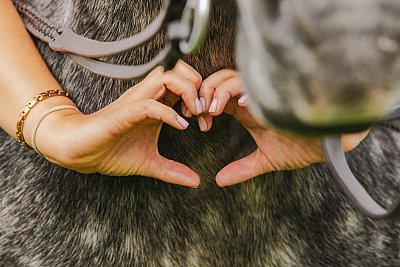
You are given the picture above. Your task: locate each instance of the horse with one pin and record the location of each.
(51, 216)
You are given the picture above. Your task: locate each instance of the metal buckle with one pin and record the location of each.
(200, 9)
(190, 39)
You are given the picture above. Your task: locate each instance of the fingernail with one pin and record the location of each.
(202, 124)
(214, 106)
(194, 183)
(188, 114)
(243, 100)
(199, 108)
(203, 103)
(182, 122)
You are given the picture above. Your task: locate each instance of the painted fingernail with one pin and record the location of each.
(202, 124)
(214, 106)
(188, 114)
(243, 100)
(203, 103)
(199, 108)
(182, 122)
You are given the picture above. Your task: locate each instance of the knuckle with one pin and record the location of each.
(168, 72)
(167, 75)
(206, 85)
(151, 109)
(167, 168)
(223, 93)
(206, 88)
(197, 79)
(228, 72)
(189, 90)
(168, 110)
(159, 69)
(149, 104)
(180, 63)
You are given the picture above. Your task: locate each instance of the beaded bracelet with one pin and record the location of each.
(22, 117)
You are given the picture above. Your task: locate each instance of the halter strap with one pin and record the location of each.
(348, 182)
(82, 50)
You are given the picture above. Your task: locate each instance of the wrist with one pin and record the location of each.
(37, 112)
(56, 133)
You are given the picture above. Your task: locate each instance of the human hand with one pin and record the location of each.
(121, 139)
(275, 150)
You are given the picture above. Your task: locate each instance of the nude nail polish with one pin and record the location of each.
(182, 122)
(214, 106)
(203, 124)
(203, 103)
(243, 100)
(188, 114)
(199, 107)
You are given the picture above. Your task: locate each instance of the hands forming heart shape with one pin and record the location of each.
(121, 139)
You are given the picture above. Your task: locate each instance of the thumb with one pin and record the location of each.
(243, 169)
(172, 172)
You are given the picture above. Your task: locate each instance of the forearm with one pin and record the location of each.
(23, 73)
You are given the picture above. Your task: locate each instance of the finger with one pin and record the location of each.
(350, 141)
(151, 87)
(121, 119)
(172, 172)
(223, 93)
(244, 101)
(185, 110)
(206, 94)
(243, 169)
(209, 85)
(184, 88)
(169, 99)
(157, 111)
(189, 73)
(204, 120)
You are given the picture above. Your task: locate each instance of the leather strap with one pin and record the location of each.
(120, 71)
(360, 198)
(184, 36)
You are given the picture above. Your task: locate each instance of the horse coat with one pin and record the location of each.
(50, 216)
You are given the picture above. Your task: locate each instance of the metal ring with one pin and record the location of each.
(201, 12)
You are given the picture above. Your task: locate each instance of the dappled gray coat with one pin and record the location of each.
(50, 216)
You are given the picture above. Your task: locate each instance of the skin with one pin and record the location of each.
(121, 139)
(276, 150)
(125, 135)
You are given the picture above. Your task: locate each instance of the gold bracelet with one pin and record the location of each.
(22, 117)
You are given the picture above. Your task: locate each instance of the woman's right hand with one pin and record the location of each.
(121, 139)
